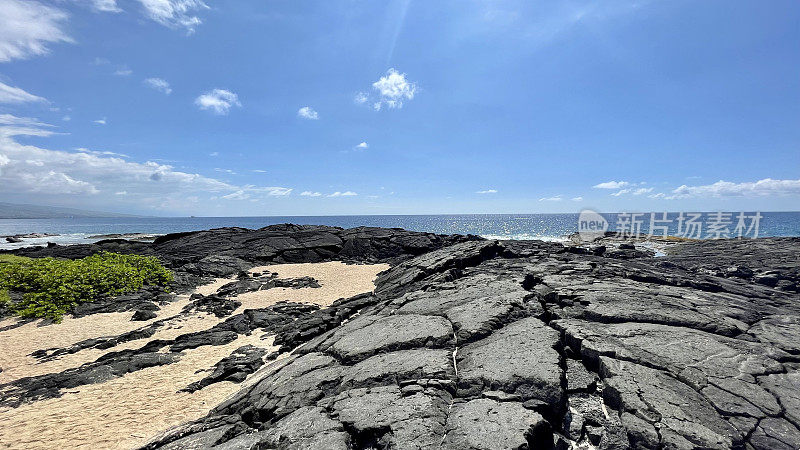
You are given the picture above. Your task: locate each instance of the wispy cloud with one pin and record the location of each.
(311, 194)
(228, 171)
(360, 98)
(237, 195)
(105, 6)
(123, 71)
(343, 194)
(15, 95)
(538, 24)
(487, 191)
(362, 146)
(158, 84)
(272, 191)
(556, 198)
(761, 188)
(31, 169)
(100, 152)
(8, 119)
(630, 190)
(219, 101)
(27, 27)
(259, 171)
(611, 185)
(100, 121)
(306, 112)
(577, 199)
(175, 13)
(23, 126)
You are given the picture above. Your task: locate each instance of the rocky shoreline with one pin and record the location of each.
(473, 343)
(16, 238)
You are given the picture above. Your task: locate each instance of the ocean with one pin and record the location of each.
(494, 226)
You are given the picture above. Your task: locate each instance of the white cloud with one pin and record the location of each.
(106, 6)
(362, 146)
(488, 191)
(220, 101)
(611, 185)
(31, 169)
(66, 118)
(16, 130)
(213, 154)
(310, 194)
(761, 188)
(228, 171)
(158, 84)
(121, 193)
(101, 153)
(361, 98)
(279, 191)
(306, 112)
(639, 191)
(577, 199)
(393, 89)
(8, 119)
(343, 194)
(556, 198)
(238, 195)
(273, 191)
(259, 171)
(175, 13)
(11, 94)
(27, 27)
(100, 121)
(123, 71)
(53, 181)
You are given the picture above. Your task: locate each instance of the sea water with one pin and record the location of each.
(554, 227)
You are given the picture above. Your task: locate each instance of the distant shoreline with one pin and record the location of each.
(547, 227)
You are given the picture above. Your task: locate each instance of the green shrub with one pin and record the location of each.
(52, 287)
(6, 258)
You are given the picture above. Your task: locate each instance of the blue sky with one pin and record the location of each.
(175, 107)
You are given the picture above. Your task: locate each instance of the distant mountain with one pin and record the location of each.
(15, 211)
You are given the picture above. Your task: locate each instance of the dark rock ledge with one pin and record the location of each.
(481, 344)
(198, 257)
(485, 345)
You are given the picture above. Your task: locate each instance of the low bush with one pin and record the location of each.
(51, 287)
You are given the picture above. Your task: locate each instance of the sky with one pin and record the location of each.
(233, 108)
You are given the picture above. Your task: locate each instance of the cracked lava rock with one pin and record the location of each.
(477, 344)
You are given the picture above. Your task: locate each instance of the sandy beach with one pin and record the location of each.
(127, 411)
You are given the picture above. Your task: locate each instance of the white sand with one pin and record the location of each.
(18, 343)
(126, 411)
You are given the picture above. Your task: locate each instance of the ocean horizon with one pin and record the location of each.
(548, 227)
